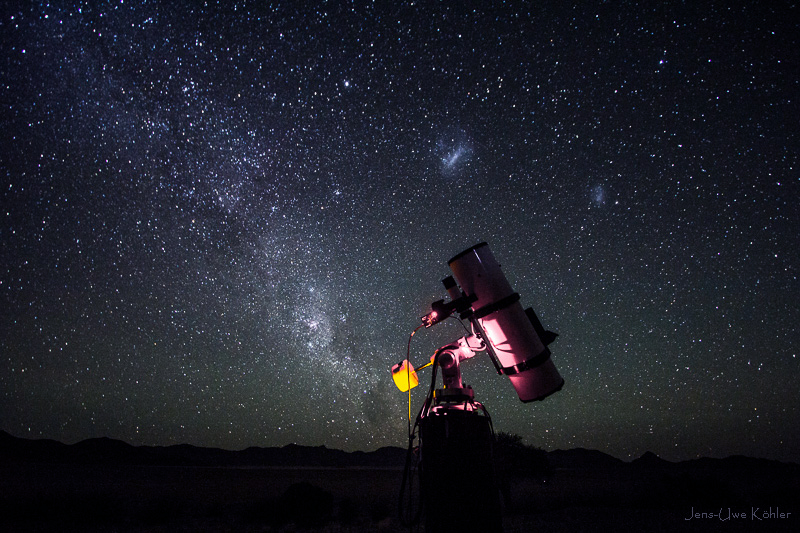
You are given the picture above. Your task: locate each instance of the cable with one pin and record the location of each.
(460, 322)
(426, 406)
(412, 431)
(408, 374)
(407, 477)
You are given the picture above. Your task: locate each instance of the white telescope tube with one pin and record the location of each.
(521, 353)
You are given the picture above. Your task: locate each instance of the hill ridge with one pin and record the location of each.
(106, 450)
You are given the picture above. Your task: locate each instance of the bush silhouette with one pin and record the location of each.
(516, 459)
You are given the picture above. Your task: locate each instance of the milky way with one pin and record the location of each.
(220, 224)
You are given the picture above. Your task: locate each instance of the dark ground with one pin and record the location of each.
(108, 485)
(58, 497)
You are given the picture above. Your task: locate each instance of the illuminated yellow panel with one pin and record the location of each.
(405, 377)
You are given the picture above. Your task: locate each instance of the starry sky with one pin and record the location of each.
(220, 224)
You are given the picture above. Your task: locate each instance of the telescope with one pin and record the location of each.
(455, 431)
(514, 339)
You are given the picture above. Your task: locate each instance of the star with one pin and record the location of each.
(221, 225)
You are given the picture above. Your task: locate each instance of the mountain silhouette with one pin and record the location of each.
(111, 451)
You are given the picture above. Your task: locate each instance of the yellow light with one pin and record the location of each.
(405, 377)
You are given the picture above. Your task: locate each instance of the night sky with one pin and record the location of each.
(221, 224)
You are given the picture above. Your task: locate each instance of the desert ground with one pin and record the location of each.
(73, 497)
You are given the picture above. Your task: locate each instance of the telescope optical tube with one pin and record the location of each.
(522, 354)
